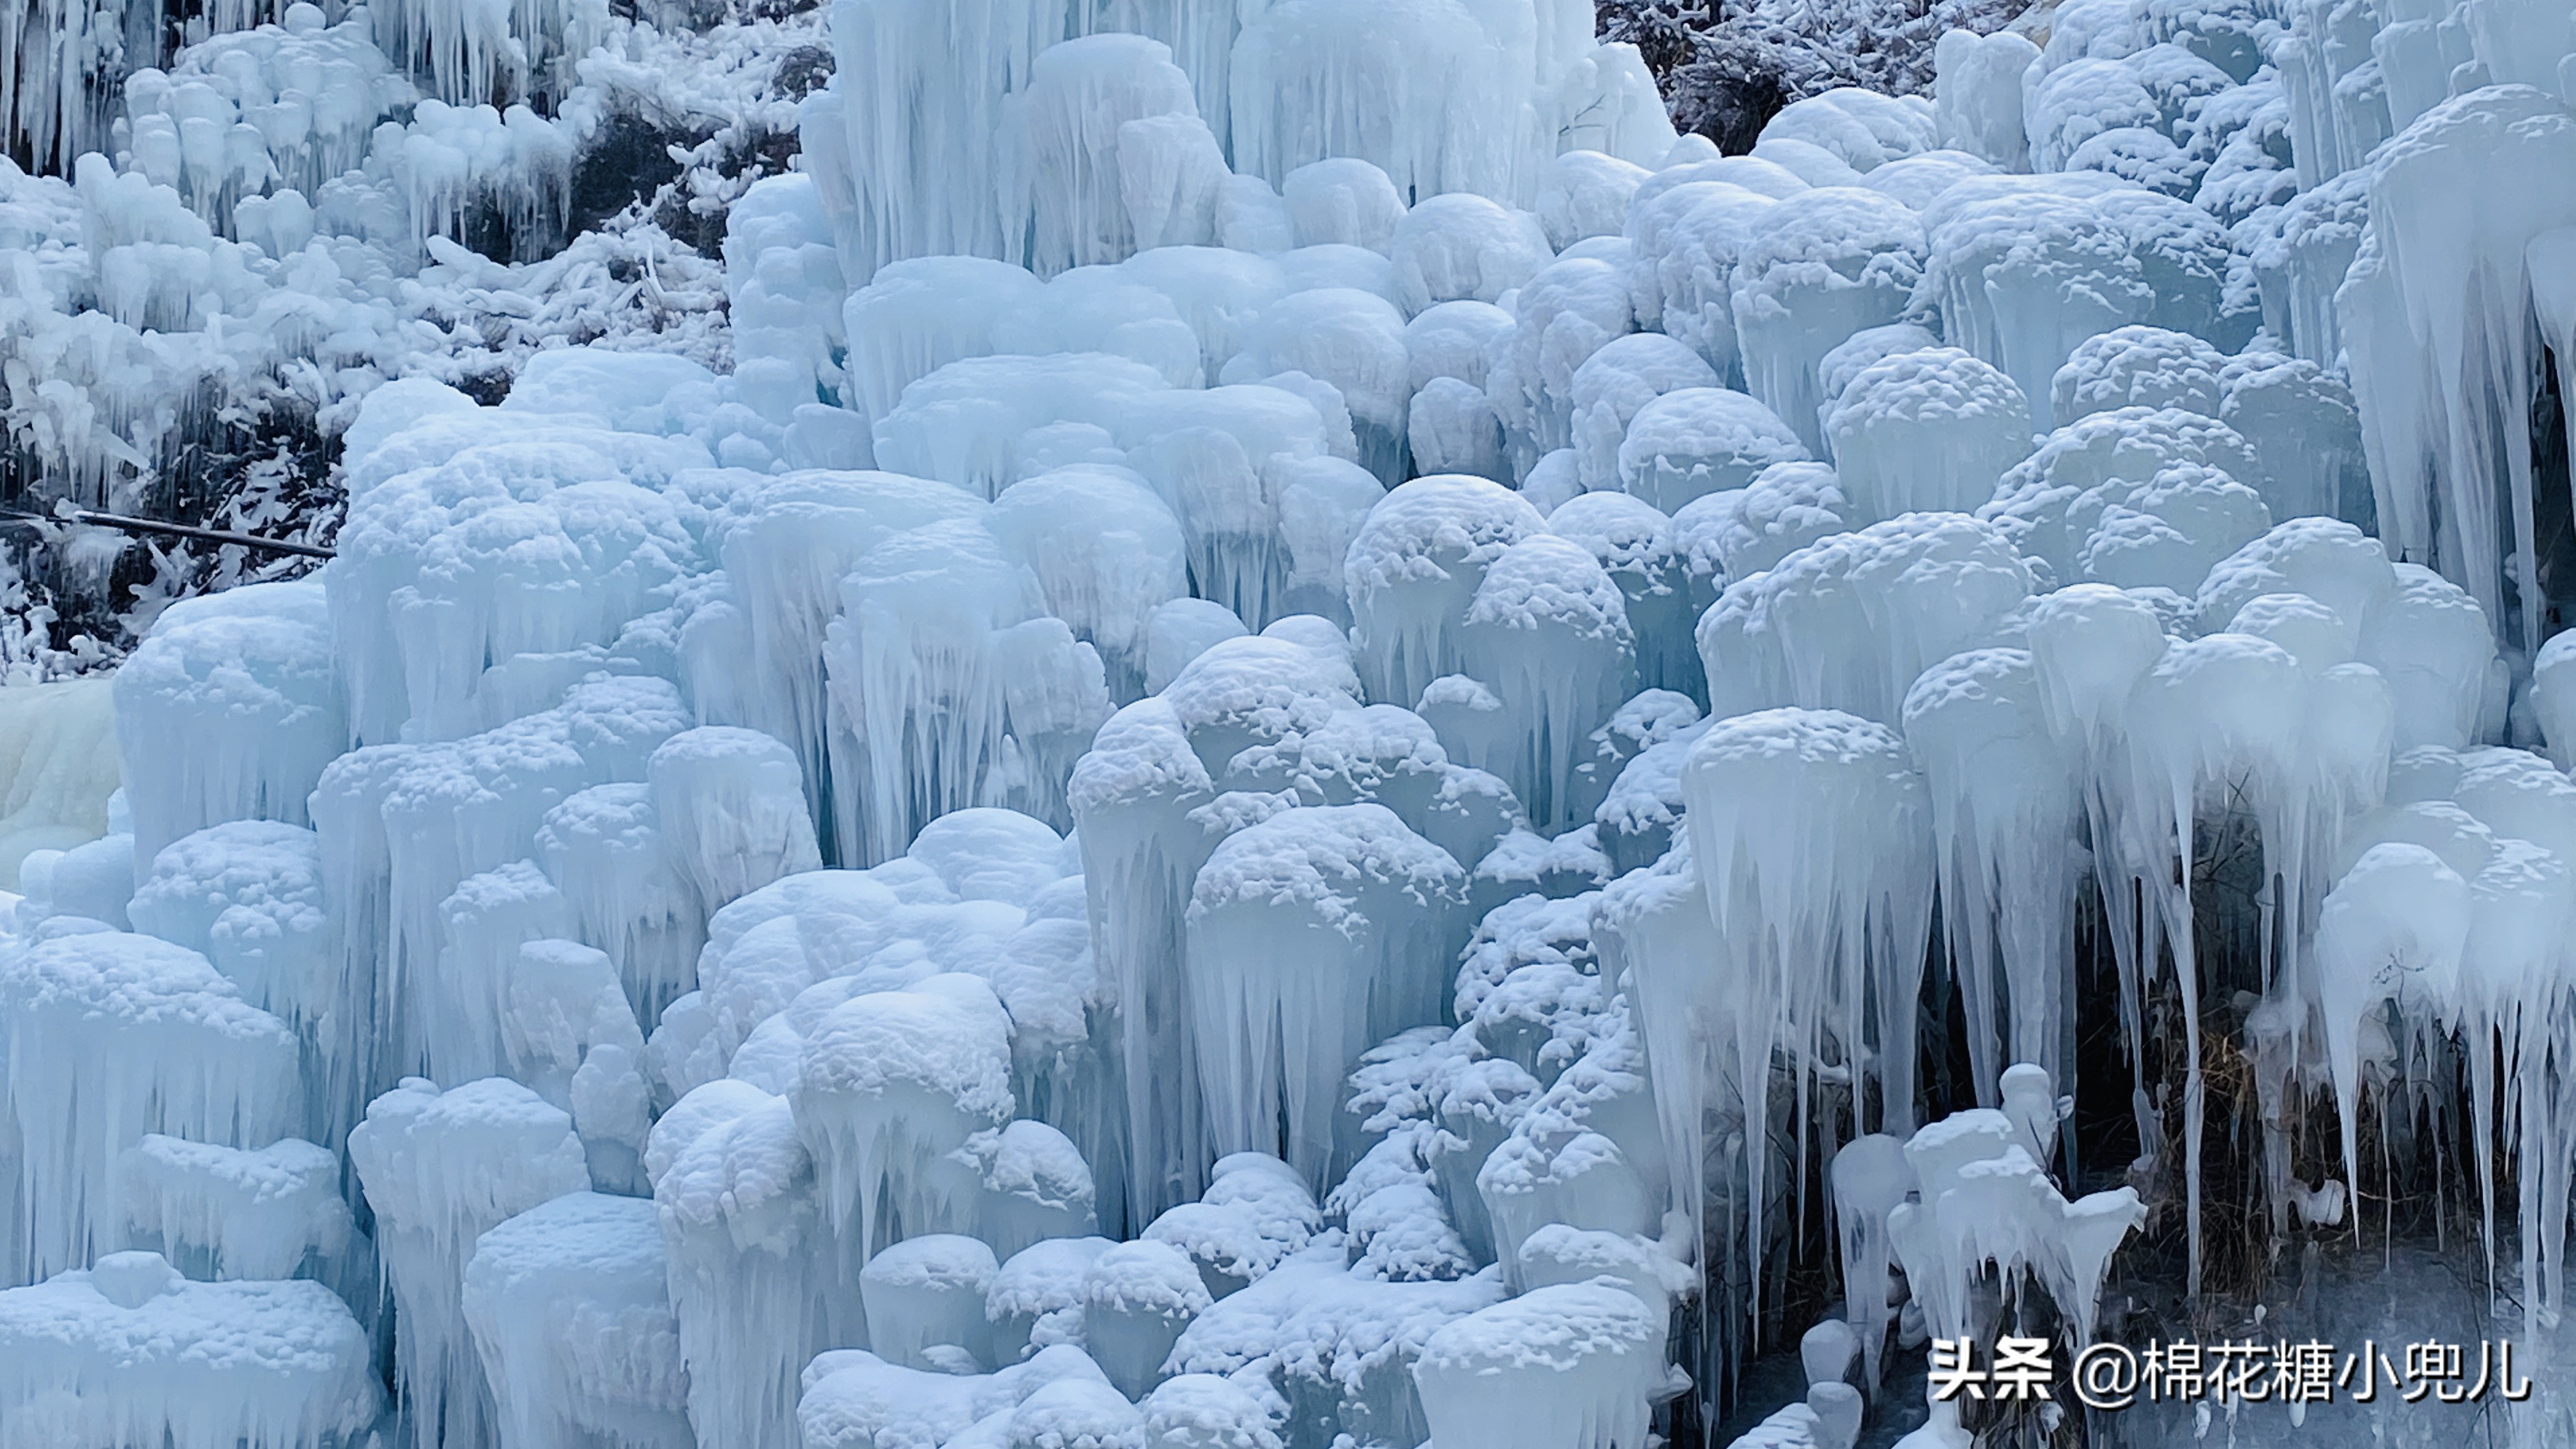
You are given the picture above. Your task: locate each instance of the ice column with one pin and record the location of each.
(907, 139)
(787, 547)
(1062, 147)
(1847, 886)
(111, 1036)
(570, 1307)
(893, 1084)
(441, 1169)
(730, 803)
(1349, 885)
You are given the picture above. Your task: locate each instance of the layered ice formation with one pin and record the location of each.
(1300, 738)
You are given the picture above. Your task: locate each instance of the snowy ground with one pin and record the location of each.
(1189, 726)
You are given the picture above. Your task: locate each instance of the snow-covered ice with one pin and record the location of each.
(1242, 727)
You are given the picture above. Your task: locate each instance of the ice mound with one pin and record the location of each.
(236, 1214)
(251, 668)
(851, 1397)
(926, 1294)
(1580, 1362)
(1350, 881)
(1925, 432)
(892, 1084)
(129, 1350)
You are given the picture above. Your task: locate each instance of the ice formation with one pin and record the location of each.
(1265, 754)
(570, 1307)
(128, 1351)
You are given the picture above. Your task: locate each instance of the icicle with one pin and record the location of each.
(1817, 896)
(792, 543)
(2440, 331)
(2007, 811)
(1871, 1179)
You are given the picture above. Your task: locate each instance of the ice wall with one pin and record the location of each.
(1286, 648)
(62, 767)
(930, 113)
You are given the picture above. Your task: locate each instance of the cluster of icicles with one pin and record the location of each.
(1301, 801)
